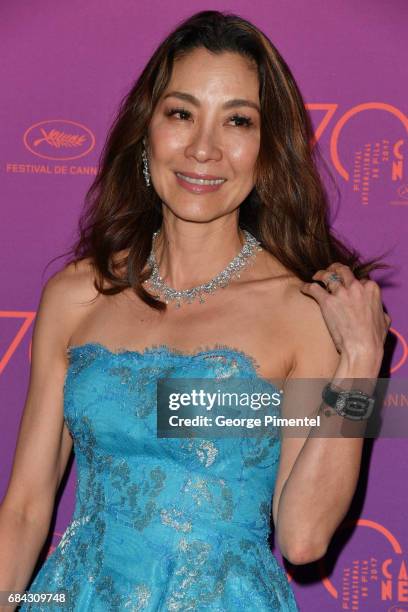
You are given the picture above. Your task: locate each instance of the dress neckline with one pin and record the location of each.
(168, 350)
(165, 349)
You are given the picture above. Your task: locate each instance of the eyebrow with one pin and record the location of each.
(229, 104)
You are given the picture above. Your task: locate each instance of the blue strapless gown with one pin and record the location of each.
(162, 524)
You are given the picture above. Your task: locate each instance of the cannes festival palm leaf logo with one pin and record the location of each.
(59, 139)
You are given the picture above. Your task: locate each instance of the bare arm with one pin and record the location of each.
(44, 443)
(323, 475)
(318, 476)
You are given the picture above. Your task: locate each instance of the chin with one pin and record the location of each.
(204, 217)
(195, 213)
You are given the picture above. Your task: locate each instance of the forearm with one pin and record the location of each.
(318, 492)
(21, 540)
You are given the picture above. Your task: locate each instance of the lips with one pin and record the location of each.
(210, 177)
(199, 183)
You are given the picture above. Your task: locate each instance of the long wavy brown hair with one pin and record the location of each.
(288, 208)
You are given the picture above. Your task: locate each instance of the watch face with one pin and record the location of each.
(341, 402)
(355, 406)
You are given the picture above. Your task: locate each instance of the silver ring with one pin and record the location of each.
(334, 278)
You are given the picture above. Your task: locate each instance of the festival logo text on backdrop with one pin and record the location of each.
(377, 161)
(363, 580)
(56, 140)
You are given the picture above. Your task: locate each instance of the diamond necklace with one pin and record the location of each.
(249, 249)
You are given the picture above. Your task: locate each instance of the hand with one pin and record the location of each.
(352, 310)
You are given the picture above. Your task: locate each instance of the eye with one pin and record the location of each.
(245, 121)
(176, 111)
(185, 114)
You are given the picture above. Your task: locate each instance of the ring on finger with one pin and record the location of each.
(333, 278)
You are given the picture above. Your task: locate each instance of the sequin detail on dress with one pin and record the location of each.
(162, 524)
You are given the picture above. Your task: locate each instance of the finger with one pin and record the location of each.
(322, 277)
(343, 271)
(318, 278)
(314, 290)
(321, 284)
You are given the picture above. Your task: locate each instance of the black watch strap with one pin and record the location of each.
(354, 404)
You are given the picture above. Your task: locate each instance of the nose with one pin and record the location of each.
(203, 145)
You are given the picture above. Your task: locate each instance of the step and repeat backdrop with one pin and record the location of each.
(65, 66)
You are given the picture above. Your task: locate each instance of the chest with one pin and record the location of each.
(259, 328)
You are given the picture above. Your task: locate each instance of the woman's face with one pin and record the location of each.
(207, 122)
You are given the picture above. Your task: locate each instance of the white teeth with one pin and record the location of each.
(200, 181)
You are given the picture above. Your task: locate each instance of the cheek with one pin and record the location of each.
(165, 140)
(244, 157)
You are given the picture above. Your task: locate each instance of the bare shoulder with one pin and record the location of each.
(310, 347)
(314, 349)
(65, 297)
(74, 282)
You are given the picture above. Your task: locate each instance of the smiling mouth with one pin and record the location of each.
(199, 181)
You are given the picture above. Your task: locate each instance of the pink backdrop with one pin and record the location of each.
(66, 65)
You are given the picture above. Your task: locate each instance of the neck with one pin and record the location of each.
(189, 254)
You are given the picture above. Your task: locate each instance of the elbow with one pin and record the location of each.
(301, 555)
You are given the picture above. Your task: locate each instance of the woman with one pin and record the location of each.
(204, 233)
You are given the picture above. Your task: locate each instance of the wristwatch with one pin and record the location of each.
(354, 404)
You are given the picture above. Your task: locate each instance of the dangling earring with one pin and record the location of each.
(146, 172)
